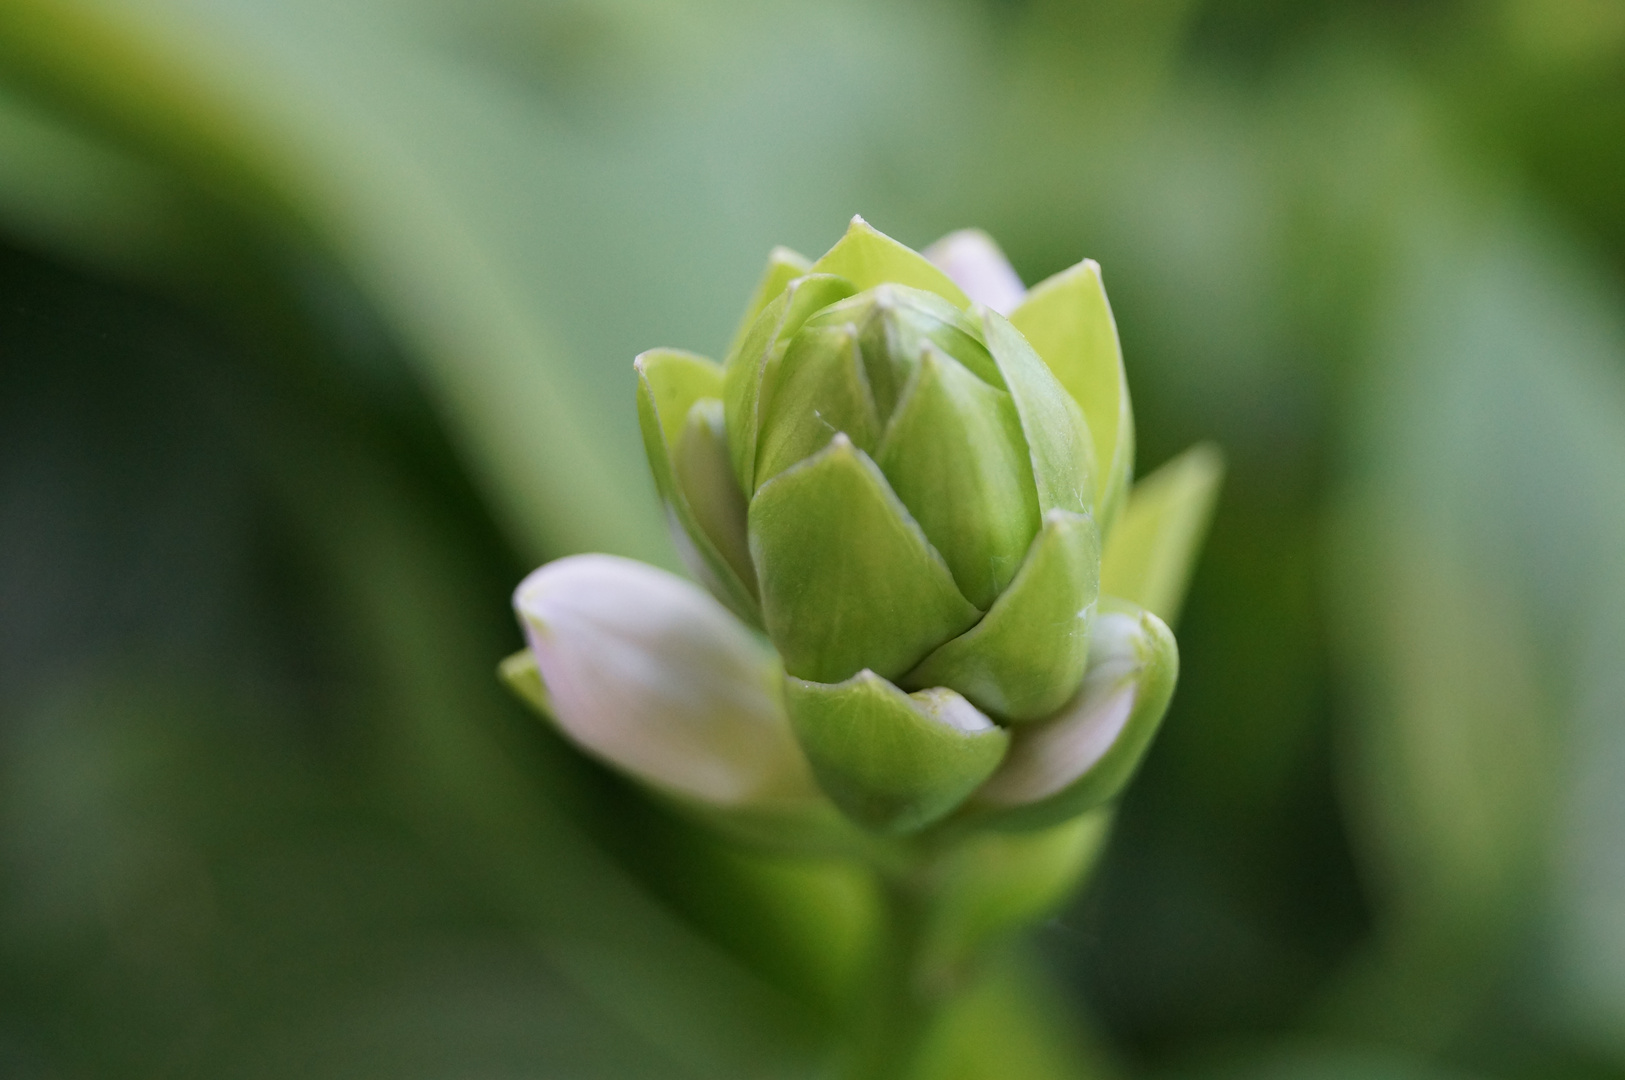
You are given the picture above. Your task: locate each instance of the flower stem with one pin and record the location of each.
(903, 1000)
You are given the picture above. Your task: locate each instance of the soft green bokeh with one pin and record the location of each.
(316, 332)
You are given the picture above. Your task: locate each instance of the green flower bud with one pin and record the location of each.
(899, 448)
(909, 494)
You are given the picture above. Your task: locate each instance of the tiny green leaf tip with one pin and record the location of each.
(521, 675)
(1154, 546)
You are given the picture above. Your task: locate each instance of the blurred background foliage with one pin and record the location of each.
(316, 319)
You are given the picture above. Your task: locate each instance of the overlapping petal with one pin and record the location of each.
(1026, 656)
(1056, 431)
(848, 580)
(895, 762)
(1068, 320)
(678, 411)
(955, 456)
(818, 388)
(1086, 754)
(783, 266)
(769, 336)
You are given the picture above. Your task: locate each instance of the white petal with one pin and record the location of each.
(974, 262)
(653, 675)
(1045, 758)
(947, 707)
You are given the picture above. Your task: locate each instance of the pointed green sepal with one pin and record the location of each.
(1089, 751)
(955, 455)
(848, 580)
(894, 762)
(1026, 657)
(783, 265)
(520, 674)
(1150, 554)
(1056, 431)
(706, 478)
(816, 388)
(764, 343)
(1068, 320)
(868, 257)
(671, 383)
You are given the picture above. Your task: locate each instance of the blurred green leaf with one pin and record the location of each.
(1152, 550)
(1308, 1060)
(375, 132)
(259, 811)
(1480, 575)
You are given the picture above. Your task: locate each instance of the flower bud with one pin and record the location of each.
(909, 493)
(650, 674)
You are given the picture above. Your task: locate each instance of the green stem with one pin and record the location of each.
(902, 1003)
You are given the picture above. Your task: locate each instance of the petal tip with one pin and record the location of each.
(975, 263)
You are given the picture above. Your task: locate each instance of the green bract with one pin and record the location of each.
(904, 475)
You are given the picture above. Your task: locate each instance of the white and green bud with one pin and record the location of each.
(649, 673)
(904, 475)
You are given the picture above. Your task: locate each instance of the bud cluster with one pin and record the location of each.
(908, 485)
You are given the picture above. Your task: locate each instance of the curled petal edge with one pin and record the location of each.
(894, 762)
